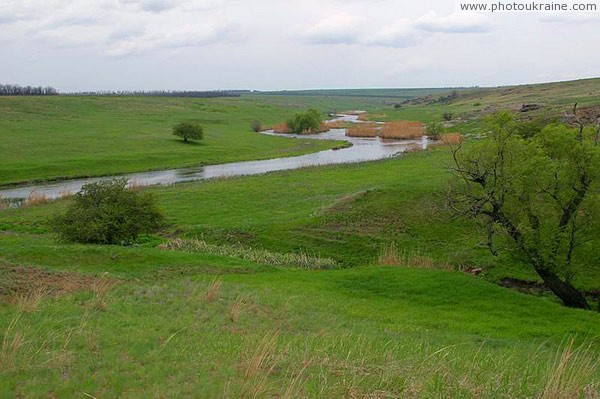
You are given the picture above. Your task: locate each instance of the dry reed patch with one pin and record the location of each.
(363, 117)
(363, 130)
(235, 310)
(390, 255)
(37, 198)
(281, 128)
(26, 286)
(336, 124)
(213, 291)
(257, 366)
(452, 138)
(571, 374)
(4, 204)
(402, 130)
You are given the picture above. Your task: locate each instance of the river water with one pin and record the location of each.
(362, 150)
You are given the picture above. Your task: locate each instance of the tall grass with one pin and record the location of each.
(452, 138)
(402, 130)
(390, 255)
(261, 256)
(363, 130)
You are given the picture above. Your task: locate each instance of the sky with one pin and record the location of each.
(78, 45)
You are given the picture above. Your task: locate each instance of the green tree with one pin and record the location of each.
(542, 193)
(188, 131)
(308, 121)
(107, 212)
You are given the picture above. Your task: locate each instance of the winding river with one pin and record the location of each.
(362, 149)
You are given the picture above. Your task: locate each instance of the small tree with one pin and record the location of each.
(107, 212)
(305, 122)
(448, 116)
(542, 193)
(434, 130)
(188, 131)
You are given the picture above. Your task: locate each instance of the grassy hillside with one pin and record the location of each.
(110, 321)
(470, 104)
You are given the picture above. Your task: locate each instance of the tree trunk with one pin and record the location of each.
(568, 294)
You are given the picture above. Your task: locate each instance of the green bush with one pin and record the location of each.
(107, 212)
(305, 121)
(188, 131)
(434, 130)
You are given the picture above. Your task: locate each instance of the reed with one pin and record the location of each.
(402, 130)
(37, 198)
(452, 138)
(363, 130)
(261, 256)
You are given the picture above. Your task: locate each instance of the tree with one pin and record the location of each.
(448, 116)
(542, 193)
(188, 131)
(305, 121)
(107, 212)
(256, 125)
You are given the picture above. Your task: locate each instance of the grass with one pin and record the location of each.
(237, 309)
(48, 138)
(393, 331)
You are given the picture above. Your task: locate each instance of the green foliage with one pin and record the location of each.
(448, 116)
(107, 212)
(305, 121)
(256, 125)
(434, 130)
(188, 131)
(542, 192)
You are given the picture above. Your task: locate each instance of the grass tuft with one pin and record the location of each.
(213, 290)
(261, 256)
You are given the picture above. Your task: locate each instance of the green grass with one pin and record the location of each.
(358, 331)
(47, 138)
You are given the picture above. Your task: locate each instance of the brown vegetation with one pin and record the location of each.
(452, 138)
(27, 285)
(363, 130)
(402, 130)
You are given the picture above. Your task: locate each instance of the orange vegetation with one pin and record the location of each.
(402, 130)
(363, 130)
(452, 138)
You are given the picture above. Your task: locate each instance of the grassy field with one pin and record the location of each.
(110, 321)
(48, 138)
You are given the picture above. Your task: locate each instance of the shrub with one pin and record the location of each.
(397, 106)
(107, 212)
(188, 131)
(448, 116)
(309, 121)
(434, 130)
(256, 125)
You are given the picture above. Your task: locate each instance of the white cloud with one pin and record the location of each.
(454, 23)
(398, 35)
(410, 65)
(341, 28)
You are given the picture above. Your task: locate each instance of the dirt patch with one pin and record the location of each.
(16, 281)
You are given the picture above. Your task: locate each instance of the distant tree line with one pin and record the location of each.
(162, 93)
(16, 90)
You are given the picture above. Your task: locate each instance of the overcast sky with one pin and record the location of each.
(287, 44)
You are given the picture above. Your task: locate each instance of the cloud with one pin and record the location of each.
(410, 65)
(341, 28)
(568, 18)
(183, 37)
(398, 35)
(454, 23)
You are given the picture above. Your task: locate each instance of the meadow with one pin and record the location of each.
(340, 281)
